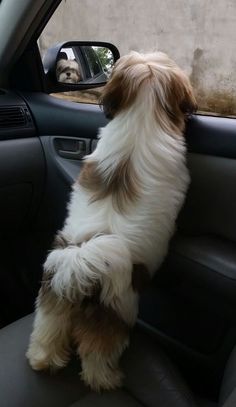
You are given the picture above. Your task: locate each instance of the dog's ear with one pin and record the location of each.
(78, 77)
(175, 99)
(181, 93)
(112, 96)
(61, 63)
(122, 87)
(188, 104)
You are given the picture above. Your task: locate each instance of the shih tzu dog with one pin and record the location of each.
(67, 71)
(121, 217)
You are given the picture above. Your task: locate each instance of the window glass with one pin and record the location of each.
(198, 34)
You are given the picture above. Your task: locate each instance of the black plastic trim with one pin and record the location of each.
(54, 116)
(211, 136)
(10, 99)
(215, 136)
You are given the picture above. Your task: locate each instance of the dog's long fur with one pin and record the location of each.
(121, 217)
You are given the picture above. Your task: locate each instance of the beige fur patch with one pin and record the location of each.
(121, 184)
(98, 329)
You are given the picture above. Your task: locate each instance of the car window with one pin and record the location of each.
(198, 36)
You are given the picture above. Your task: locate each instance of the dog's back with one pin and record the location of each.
(121, 216)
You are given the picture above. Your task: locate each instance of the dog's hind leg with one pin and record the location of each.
(49, 346)
(101, 337)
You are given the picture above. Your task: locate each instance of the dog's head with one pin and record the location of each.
(159, 80)
(67, 71)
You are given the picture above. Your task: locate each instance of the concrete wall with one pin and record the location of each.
(198, 34)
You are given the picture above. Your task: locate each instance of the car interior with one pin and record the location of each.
(183, 349)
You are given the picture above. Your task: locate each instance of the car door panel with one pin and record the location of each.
(192, 299)
(61, 123)
(22, 176)
(63, 118)
(21, 182)
(211, 135)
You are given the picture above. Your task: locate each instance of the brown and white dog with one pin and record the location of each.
(121, 217)
(67, 71)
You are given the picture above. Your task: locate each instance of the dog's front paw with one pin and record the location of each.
(99, 375)
(38, 360)
(41, 359)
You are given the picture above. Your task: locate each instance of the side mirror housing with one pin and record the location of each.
(78, 65)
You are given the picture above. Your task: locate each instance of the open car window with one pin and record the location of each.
(199, 37)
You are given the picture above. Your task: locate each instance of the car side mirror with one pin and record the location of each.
(79, 64)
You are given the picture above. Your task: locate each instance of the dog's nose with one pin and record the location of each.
(68, 73)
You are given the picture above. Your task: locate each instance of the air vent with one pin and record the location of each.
(12, 116)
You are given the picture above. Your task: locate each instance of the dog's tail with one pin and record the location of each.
(102, 264)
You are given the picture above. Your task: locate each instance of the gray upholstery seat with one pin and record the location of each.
(151, 379)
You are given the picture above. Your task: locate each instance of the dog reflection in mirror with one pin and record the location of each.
(68, 71)
(121, 217)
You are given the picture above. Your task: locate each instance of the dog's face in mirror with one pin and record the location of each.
(68, 71)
